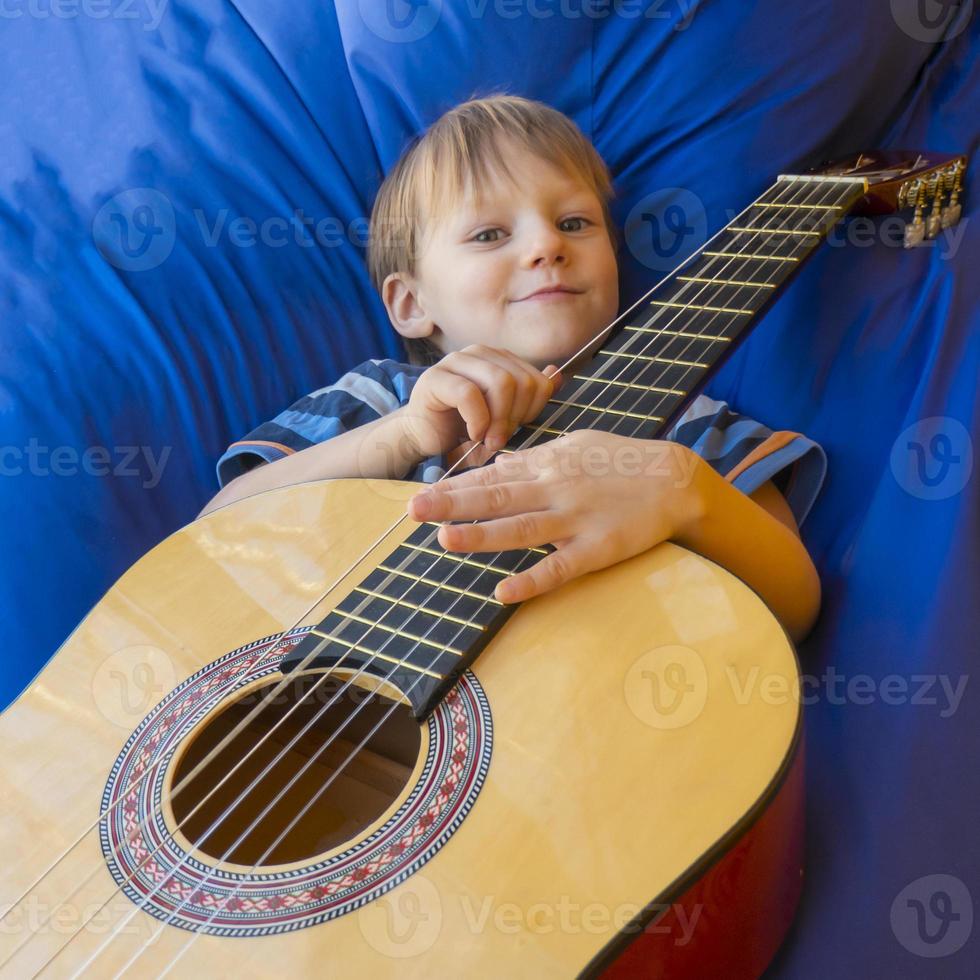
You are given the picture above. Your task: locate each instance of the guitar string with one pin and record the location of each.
(726, 264)
(711, 319)
(269, 656)
(200, 929)
(737, 235)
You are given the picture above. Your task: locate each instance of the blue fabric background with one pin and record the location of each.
(179, 118)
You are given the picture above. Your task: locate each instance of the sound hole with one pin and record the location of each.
(359, 790)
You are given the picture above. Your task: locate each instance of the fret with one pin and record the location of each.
(374, 654)
(345, 625)
(764, 244)
(659, 331)
(627, 384)
(607, 410)
(564, 420)
(419, 608)
(425, 533)
(651, 340)
(776, 230)
(741, 266)
(789, 220)
(750, 255)
(709, 309)
(470, 577)
(441, 587)
(646, 402)
(637, 371)
(459, 559)
(546, 430)
(437, 594)
(803, 207)
(821, 191)
(658, 360)
(728, 282)
(621, 366)
(712, 295)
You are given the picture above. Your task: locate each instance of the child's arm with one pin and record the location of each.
(755, 537)
(378, 450)
(478, 391)
(596, 518)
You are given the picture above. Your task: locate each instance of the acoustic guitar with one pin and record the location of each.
(299, 736)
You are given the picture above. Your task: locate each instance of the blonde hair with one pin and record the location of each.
(433, 174)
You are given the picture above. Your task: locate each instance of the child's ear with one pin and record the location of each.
(400, 294)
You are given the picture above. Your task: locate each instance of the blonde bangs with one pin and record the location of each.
(457, 156)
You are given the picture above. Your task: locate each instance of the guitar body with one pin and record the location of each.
(615, 786)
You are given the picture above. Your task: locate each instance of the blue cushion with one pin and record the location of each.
(184, 196)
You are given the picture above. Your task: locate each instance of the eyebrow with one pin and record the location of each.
(580, 196)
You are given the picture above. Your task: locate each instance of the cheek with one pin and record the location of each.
(609, 280)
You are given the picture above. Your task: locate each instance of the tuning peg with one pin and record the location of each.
(933, 222)
(951, 213)
(916, 230)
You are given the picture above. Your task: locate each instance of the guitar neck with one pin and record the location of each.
(661, 352)
(423, 614)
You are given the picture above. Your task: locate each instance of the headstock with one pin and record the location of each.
(898, 179)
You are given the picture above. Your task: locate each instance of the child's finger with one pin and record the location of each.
(457, 391)
(544, 393)
(552, 571)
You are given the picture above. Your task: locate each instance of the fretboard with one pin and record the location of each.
(424, 614)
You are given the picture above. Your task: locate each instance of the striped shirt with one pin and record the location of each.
(745, 452)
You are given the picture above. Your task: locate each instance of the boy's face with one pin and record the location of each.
(480, 266)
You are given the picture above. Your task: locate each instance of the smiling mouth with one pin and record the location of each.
(552, 294)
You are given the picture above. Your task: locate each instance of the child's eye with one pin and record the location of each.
(584, 220)
(486, 231)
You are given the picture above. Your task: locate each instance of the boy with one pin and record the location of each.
(493, 248)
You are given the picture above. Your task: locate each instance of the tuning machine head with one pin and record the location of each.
(951, 213)
(933, 187)
(899, 179)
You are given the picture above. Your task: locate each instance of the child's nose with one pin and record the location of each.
(546, 247)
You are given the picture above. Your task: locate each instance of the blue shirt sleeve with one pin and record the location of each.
(363, 394)
(747, 453)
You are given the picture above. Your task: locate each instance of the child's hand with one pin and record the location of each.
(480, 392)
(599, 498)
